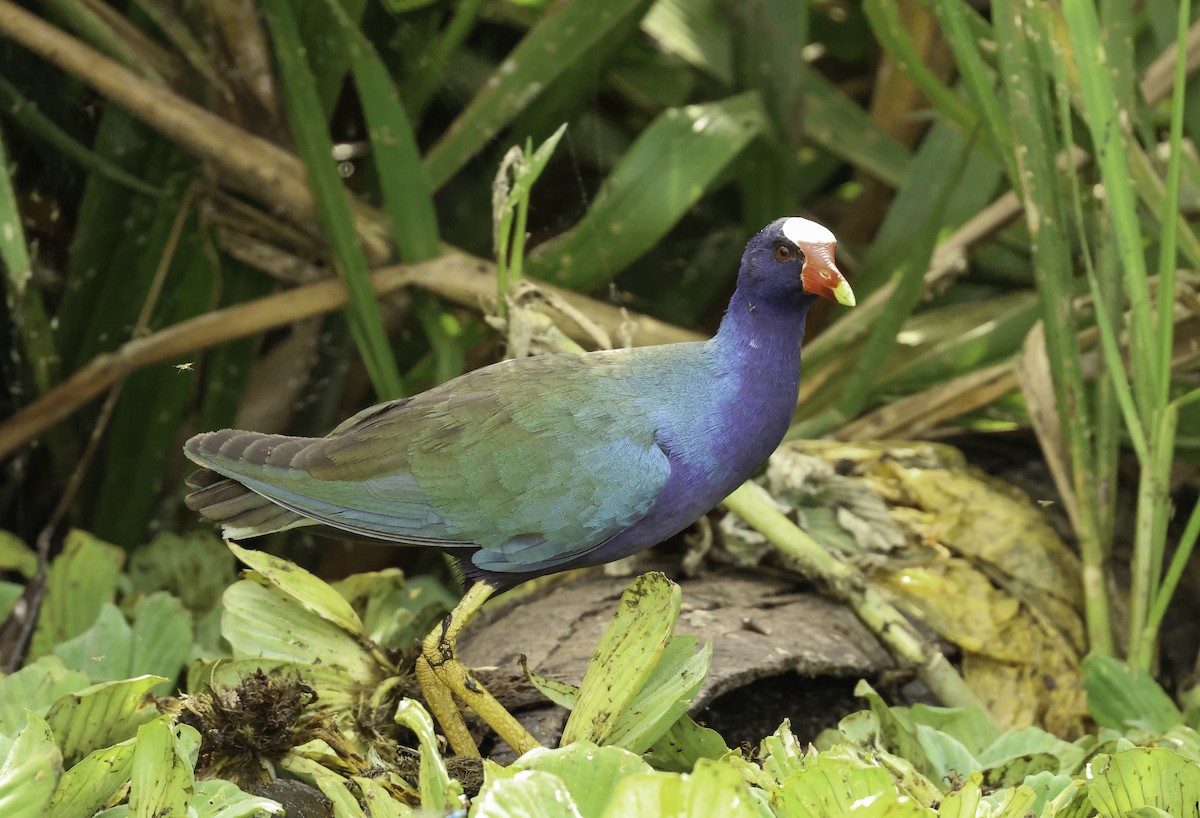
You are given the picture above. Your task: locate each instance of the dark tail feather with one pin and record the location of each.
(238, 510)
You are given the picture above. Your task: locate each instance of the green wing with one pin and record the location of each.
(533, 461)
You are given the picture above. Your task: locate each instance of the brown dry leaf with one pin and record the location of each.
(1024, 670)
(981, 566)
(964, 607)
(1045, 690)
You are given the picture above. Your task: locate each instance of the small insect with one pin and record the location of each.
(186, 366)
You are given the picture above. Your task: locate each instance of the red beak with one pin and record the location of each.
(820, 275)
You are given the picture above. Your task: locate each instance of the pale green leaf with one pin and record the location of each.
(161, 779)
(30, 771)
(265, 622)
(159, 642)
(673, 685)
(438, 790)
(683, 745)
(829, 783)
(714, 790)
(590, 773)
(79, 582)
(1144, 777)
(35, 687)
(528, 794)
(15, 555)
(101, 715)
(222, 799)
(625, 657)
(305, 588)
(93, 782)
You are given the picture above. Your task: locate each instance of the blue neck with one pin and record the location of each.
(761, 339)
(758, 353)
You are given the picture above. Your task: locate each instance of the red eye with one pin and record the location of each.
(783, 252)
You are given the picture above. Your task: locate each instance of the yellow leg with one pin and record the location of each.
(441, 673)
(441, 704)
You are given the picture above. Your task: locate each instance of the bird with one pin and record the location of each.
(541, 464)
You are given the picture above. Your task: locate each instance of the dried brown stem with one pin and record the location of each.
(457, 277)
(246, 162)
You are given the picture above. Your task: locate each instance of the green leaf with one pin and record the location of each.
(379, 802)
(963, 801)
(561, 693)
(396, 611)
(565, 35)
(1144, 777)
(337, 790)
(13, 252)
(674, 162)
(35, 688)
(969, 725)
(332, 203)
(530, 794)
(714, 790)
(674, 683)
(159, 642)
(829, 783)
(839, 125)
(625, 657)
(407, 194)
(590, 773)
(683, 745)
(438, 790)
(222, 799)
(265, 622)
(162, 780)
(101, 715)
(697, 31)
(93, 782)
(1121, 697)
(79, 582)
(30, 771)
(1053, 754)
(195, 567)
(15, 555)
(305, 588)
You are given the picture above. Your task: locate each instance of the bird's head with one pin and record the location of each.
(791, 257)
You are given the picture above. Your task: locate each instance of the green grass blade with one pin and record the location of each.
(910, 274)
(325, 48)
(166, 16)
(1020, 32)
(13, 252)
(1111, 349)
(24, 299)
(28, 116)
(1105, 120)
(1170, 225)
(892, 34)
(423, 86)
(956, 19)
(930, 174)
(562, 37)
(697, 31)
(840, 126)
(406, 191)
(670, 166)
(333, 207)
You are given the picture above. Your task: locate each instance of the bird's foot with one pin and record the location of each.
(442, 677)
